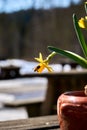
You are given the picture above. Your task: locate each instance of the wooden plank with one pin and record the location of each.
(23, 98)
(22, 92)
(73, 72)
(46, 123)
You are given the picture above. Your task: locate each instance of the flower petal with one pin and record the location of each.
(39, 68)
(40, 56)
(49, 69)
(37, 59)
(83, 23)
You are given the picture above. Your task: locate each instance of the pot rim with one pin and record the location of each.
(74, 96)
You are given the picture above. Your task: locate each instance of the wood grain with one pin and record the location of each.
(46, 122)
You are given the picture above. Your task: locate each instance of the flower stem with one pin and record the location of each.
(50, 56)
(85, 90)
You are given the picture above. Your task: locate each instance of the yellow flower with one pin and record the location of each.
(43, 63)
(83, 22)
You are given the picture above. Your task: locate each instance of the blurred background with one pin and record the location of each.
(27, 27)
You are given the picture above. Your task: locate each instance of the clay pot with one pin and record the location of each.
(72, 110)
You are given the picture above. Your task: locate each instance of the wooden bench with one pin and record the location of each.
(37, 123)
(32, 105)
(57, 83)
(31, 99)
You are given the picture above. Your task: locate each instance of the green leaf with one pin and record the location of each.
(80, 60)
(80, 35)
(86, 7)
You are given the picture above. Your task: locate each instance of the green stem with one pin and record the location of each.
(50, 56)
(86, 7)
(80, 35)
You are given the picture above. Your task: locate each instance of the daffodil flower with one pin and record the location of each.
(83, 22)
(44, 63)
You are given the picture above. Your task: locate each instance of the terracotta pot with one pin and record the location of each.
(72, 111)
